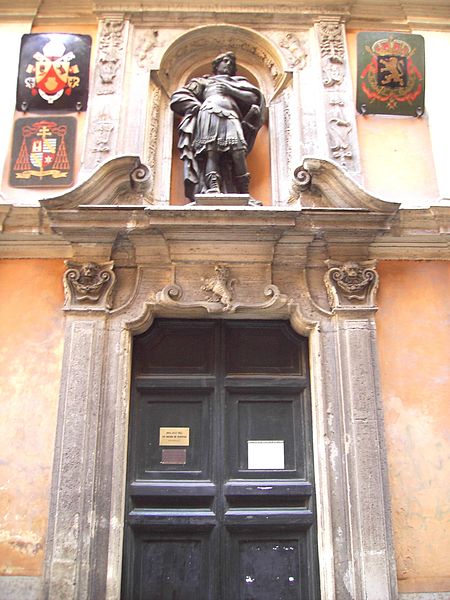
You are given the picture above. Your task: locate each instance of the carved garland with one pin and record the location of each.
(88, 286)
(351, 284)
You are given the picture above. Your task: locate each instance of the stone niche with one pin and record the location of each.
(190, 55)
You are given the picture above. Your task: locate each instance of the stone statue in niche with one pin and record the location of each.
(222, 114)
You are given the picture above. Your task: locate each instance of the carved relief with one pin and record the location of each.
(351, 283)
(339, 129)
(219, 287)
(220, 299)
(110, 48)
(287, 128)
(153, 128)
(102, 129)
(144, 49)
(337, 91)
(332, 51)
(294, 50)
(88, 285)
(226, 41)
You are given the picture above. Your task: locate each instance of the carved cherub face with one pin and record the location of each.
(351, 271)
(88, 271)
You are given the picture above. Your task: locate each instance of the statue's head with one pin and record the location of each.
(226, 63)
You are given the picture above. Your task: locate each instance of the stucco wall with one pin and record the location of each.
(413, 326)
(31, 325)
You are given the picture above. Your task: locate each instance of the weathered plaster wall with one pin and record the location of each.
(413, 326)
(31, 325)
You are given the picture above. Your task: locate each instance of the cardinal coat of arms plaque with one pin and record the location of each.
(43, 152)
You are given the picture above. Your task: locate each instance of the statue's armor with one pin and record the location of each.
(218, 121)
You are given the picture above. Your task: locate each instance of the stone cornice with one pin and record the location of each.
(93, 220)
(34, 232)
(364, 14)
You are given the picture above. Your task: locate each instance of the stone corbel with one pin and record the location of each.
(88, 286)
(351, 284)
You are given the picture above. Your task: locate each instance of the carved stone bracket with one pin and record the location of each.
(171, 297)
(351, 284)
(88, 286)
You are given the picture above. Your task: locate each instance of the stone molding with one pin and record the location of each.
(326, 204)
(362, 15)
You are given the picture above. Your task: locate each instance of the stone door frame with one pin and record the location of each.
(133, 263)
(86, 521)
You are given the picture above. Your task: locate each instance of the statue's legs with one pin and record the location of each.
(241, 176)
(212, 176)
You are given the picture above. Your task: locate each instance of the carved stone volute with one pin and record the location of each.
(351, 284)
(88, 286)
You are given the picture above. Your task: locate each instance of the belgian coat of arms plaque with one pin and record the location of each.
(53, 72)
(43, 152)
(391, 74)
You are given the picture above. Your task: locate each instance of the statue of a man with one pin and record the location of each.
(222, 114)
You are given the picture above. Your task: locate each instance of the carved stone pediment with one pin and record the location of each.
(121, 181)
(320, 183)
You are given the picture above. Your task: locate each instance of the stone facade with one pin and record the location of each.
(308, 256)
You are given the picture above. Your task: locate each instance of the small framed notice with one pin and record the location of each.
(174, 436)
(265, 454)
(173, 456)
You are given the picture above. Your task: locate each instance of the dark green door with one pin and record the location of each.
(220, 493)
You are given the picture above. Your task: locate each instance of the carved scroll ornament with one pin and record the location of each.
(220, 296)
(88, 285)
(351, 284)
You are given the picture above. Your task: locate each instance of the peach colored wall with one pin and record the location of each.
(396, 154)
(31, 325)
(413, 324)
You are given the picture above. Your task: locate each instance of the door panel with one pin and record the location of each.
(220, 495)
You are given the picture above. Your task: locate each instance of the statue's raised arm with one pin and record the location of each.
(222, 114)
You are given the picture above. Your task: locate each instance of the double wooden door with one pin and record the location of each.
(220, 494)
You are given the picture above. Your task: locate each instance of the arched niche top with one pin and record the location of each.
(254, 53)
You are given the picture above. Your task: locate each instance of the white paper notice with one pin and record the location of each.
(265, 454)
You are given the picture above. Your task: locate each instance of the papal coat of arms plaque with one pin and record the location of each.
(391, 74)
(53, 72)
(43, 152)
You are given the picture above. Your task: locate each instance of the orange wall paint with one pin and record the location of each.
(31, 326)
(396, 153)
(413, 326)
